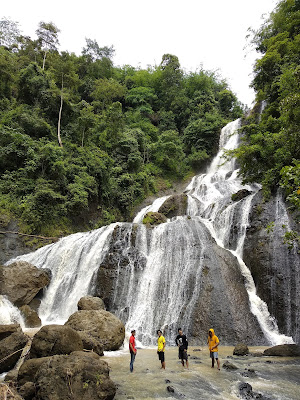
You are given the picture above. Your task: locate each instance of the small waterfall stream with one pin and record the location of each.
(157, 281)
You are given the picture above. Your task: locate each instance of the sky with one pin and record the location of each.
(201, 33)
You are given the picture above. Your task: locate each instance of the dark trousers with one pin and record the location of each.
(132, 358)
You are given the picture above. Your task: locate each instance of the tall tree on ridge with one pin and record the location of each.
(47, 34)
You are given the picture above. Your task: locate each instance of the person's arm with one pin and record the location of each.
(216, 345)
(164, 345)
(176, 341)
(131, 347)
(186, 343)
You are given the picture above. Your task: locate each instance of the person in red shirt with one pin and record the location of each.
(132, 349)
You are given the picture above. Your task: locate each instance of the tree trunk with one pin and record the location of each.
(44, 60)
(59, 114)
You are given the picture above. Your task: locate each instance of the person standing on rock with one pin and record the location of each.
(182, 343)
(213, 343)
(132, 349)
(161, 344)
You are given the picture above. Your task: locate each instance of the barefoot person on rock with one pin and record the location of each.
(161, 344)
(213, 343)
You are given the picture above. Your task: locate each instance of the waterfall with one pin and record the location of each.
(155, 277)
(9, 314)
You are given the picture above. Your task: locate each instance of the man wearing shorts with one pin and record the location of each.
(182, 343)
(213, 343)
(161, 344)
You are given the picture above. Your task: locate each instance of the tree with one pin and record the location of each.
(95, 52)
(47, 35)
(9, 32)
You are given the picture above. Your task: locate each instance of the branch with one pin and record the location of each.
(25, 234)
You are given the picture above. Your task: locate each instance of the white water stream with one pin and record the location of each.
(154, 292)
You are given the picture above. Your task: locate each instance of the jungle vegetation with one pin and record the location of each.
(270, 149)
(83, 141)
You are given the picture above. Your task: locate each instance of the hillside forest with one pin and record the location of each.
(83, 142)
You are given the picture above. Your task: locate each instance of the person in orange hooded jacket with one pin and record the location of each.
(213, 343)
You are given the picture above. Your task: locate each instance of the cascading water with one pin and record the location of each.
(188, 271)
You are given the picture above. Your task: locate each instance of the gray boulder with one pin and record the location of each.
(283, 350)
(103, 326)
(31, 318)
(241, 349)
(21, 282)
(55, 339)
(90, 303)
(11, 349)
(7, 330)
(78, 376)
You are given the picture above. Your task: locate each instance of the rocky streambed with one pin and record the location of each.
(252, 376)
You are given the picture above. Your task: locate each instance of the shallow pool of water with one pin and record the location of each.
(274, 377)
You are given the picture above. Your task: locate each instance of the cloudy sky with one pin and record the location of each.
(211, 34)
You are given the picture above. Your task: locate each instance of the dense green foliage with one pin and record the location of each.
(270, 151)
(83, 140)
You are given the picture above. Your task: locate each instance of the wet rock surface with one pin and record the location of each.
(174, 206)
(103, 326)
(241, 349)
(275, 268)
(31, 318)
(283, 350)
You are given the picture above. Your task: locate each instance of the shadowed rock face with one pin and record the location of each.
(275, 268)
(174, 206)
(11, 349)
(55, 339)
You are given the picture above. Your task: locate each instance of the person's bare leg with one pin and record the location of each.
(163, 365)
(218, 362)
(187, 364)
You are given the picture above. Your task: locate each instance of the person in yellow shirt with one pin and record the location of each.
(213, 343)
(161, 344)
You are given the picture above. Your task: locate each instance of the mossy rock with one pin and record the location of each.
(154, 218)
(240, 195)
(174, 206)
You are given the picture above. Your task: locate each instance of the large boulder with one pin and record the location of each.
(55, 339)
(241, 349)
(100, 324)
(90, 303)
(31, 318)
(78, 376)
(174, 206)
(21, 281)
(11, 349)
(29, 368)
(283, 350)
(7, 330)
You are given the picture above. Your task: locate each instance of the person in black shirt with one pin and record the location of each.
(182, 343)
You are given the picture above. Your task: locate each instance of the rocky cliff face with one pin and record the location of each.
(275, 268)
